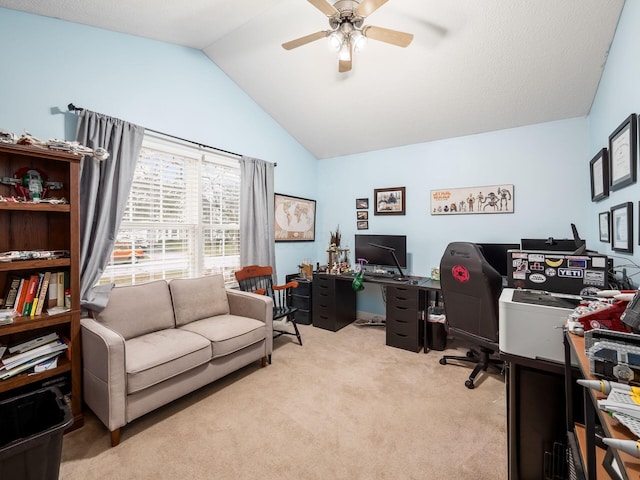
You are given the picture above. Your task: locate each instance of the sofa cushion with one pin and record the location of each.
(228, 333)
(160, 355)
(135, 310)
(198, 298)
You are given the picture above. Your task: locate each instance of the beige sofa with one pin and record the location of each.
(158, 341)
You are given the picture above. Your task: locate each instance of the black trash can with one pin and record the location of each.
(31, 429)
(436, 329)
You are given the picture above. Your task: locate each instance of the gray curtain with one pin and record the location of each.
(257, 237)
(104, 190)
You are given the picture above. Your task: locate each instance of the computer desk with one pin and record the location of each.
(334, 306)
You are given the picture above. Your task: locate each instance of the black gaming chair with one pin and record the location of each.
(471, 288)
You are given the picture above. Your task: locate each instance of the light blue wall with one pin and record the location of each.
(545, 163)
(48, 63)
(618, 96)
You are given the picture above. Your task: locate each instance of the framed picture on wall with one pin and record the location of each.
(363, 215)
(604, 225)
(389, 201)
(363, 225)
(599, 169)
(295, 219)
(623, 153)
(362, 203)
(622, 227)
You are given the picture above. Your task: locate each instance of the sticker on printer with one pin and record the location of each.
(576, 262)
(594, 277)
(537, 278)
(570, 273)
(554, 261)
(550, 272)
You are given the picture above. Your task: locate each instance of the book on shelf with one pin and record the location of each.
(34, 280)
(33, 343)
(18, 359)
(8, 373)
(22, 295)
(13, 284)
(42, 297)
(53, 290)
(61, 287)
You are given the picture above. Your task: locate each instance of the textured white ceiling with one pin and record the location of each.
(473, 66)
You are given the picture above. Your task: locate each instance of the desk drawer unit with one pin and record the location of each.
(333, 302)
(404, 327)
(301, 299)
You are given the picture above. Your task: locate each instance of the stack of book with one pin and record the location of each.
(38, 354)
(33, 294)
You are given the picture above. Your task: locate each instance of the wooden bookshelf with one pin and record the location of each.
(29, 226)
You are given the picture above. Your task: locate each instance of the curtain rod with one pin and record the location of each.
(73, 108)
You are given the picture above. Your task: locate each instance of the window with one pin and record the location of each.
(182, 216)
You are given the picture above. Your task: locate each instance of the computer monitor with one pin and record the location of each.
(496, 255)
(368, 247)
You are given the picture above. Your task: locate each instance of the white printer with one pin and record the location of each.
(531, 323)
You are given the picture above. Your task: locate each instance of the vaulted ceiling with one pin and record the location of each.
(473, 66)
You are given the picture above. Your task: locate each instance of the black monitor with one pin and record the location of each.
(496, 255)
(576, 245)
(368, 247)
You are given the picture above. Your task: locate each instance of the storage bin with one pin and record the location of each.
(31, 429)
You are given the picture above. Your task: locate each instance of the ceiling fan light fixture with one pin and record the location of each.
(335, 40)
(344, 53)
(358, 40)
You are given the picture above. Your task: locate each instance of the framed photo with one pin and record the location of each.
(295, 219)
(622, 227)
(604, 224)
(363, 215)
(362, 203)
(473, 200)
(623, 153)
(363, 225)
(599, 169)
(389, 201)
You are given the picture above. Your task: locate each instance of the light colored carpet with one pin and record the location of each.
(343, 406)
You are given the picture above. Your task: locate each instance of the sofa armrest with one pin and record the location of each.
(260, 307)
(104, 373)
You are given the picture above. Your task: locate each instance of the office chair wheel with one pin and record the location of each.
(469, 384)
(443, 361)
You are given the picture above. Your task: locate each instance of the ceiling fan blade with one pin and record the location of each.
(394, 37)
(298, 42)
(344, 65)
(326, 8)
(367, 7)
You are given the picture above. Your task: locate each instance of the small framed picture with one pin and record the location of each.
(622, 227)
(363, 215)
(389, 201)
(362, 203)
(599, 169)
(623, 154)
(363, 225)
(604, 225)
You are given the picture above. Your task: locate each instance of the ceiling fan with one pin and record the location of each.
(347, 34)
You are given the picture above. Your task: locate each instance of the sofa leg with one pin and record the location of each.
(115, 437)
(263, 363)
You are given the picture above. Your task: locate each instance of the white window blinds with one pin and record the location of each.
(182, 216)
